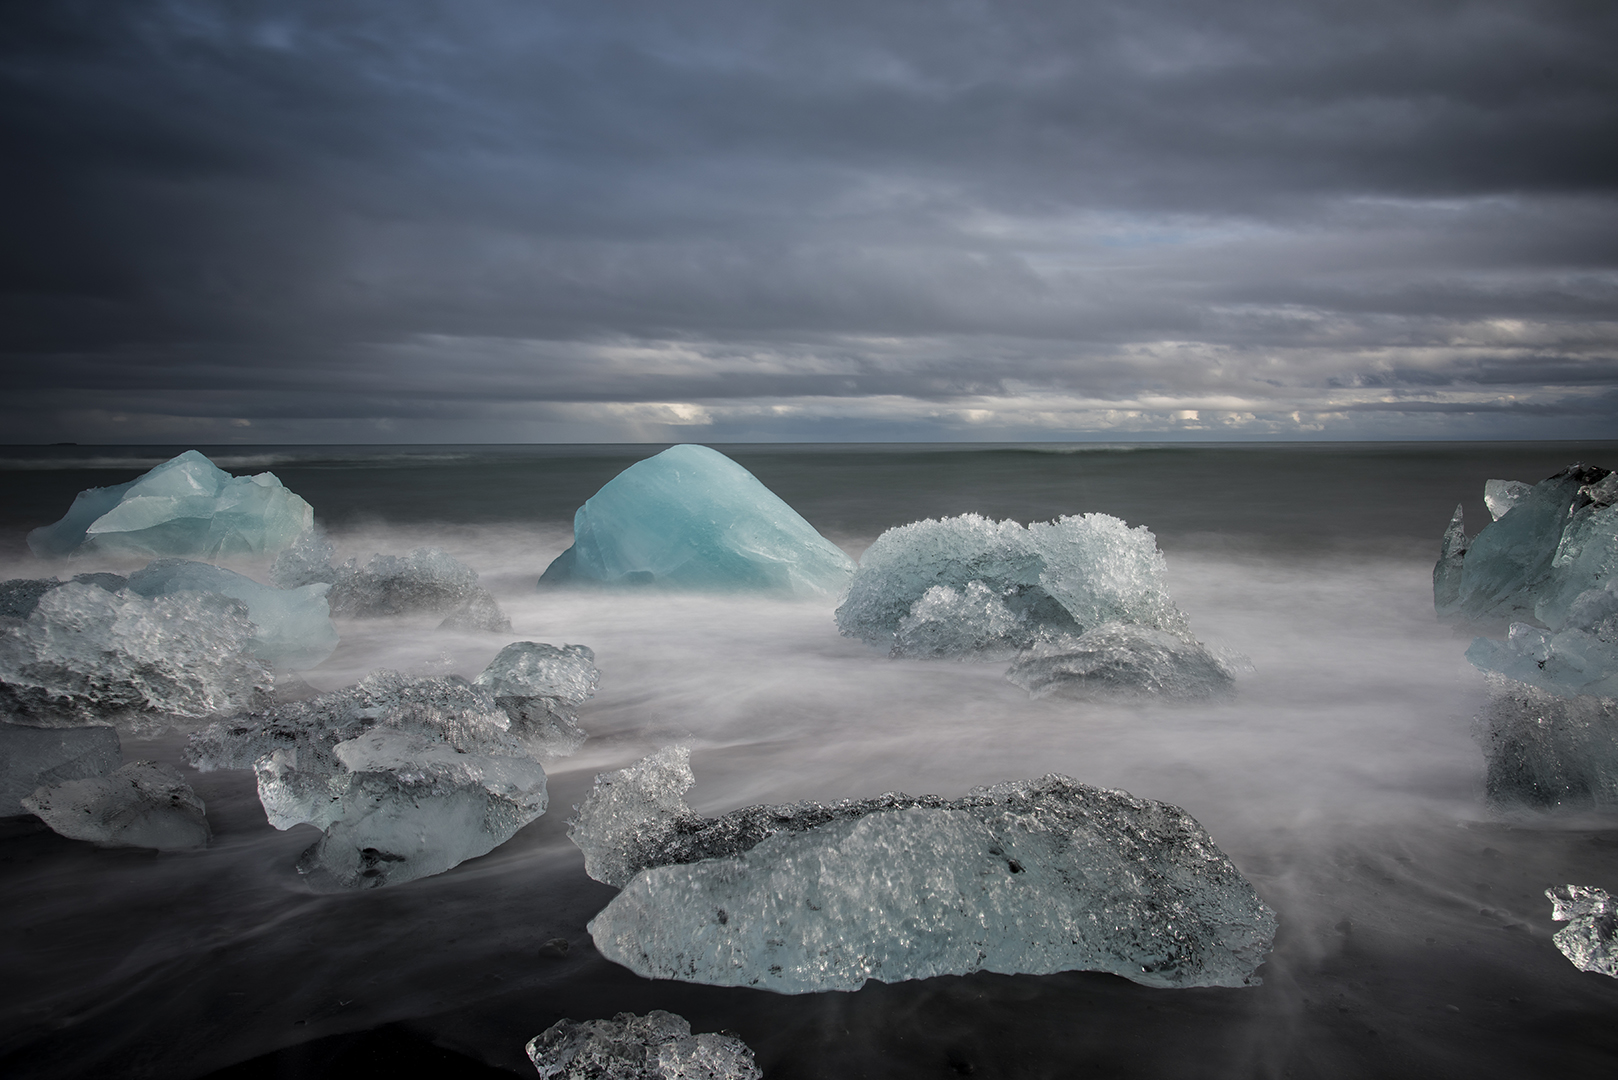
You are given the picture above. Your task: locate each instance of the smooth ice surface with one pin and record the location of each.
(142, 804)
(1120, 660)
(1029, 877)
(657, 1046)
(1578, 660)
(691, 518)
(86, 654)
(1590, 938)
(32, 757)
(292, 628)
(186, 506)
(1556, 541)
(1501, 495)
(408, 778)
(1548, 750)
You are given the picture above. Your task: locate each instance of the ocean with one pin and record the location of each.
(1342, 779)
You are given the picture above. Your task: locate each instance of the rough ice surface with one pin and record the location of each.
(143, 804)
(20, 596)
(292, 628)
(1030, 876)
(86, 654)
(408, 778)
(1120, 660)
(657, 1046)
(427, 581)
(1555, 542)
(1451, 564)
(186, 506)
(691, 518)
(1548, 751)
(1590, 938)
(1501, 495)
(33, 757)
(1580, 659)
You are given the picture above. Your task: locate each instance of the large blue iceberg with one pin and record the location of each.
(185, 507)
(691, 518)
(292, 627)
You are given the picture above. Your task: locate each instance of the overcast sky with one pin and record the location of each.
(740, 220)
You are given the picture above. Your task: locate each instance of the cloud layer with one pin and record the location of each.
(492, 220)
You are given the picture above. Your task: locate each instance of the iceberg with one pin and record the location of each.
(1030, 876)
(1590, 938)
(657, 1046)
(186, 506)
(87, 655)
(691, 518)
(292, 627)
(1120, 660)
(428, 580)
(143, 804)
(32, 757)
(1547, 750)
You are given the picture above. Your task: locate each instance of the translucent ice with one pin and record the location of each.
(691, 518)
(1547, 750)
(186, 506)
(292, 628)
(1590, 938)
(20, 596)
(1580, 659)
(1030, 876)
(1501, 495)
(657, 1046)
(142, 804)
(427, 581)
(85, 654)
(1119, 660)
(968, 585)
(539, 687)
(1553, 542)
(32, 757)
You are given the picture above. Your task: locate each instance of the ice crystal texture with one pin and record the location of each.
(143, 804)
(1581, 658)
(33, 757)
(1030, 876)
(427, 581)
(1548, 750)
(1590, 938)
(657, 1046)
(691, 518)
(292, 628)
(186, 507)
(85, 654)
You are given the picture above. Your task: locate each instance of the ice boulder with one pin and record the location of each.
(186, 506)
(1582, 658)
(1590, 938)
(427, 581)
(1550, 544)
(85, 655)
(1546, 750)
(657, 1046)
(539, 686)
(142, 804)
(691, 518)
(33, 757)
(292, 628)
(1031, 876)
(1119, 660)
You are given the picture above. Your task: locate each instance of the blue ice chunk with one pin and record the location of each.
(691, 518)
(292, 627)
(186, 506)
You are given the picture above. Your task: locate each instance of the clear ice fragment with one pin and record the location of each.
(1120, 660)
(185, 507)
(142, 804)
(1590, 938)
(1501, 495)
(292, 628)
(33, 757)
(691, 518)
(657, 1046)
(1548, 751)
(20, 596)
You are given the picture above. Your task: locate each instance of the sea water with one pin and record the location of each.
(1341, 778)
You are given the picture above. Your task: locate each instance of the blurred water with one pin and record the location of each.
(1342, 779)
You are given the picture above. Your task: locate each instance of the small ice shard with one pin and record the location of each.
(32, 757)
(1590, 938)
(1031, 876)
(186, 506)
(1558, 540)
(691, 518)
(143, 804)
(1451, 560)
(657, 1046)
(1501, 495)
(86, 655)
(292, 628)
(1119, 660)
(1546, 750)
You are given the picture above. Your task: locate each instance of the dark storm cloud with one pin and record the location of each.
(885, 218)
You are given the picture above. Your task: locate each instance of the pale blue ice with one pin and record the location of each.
(292, 628)
(691, 518)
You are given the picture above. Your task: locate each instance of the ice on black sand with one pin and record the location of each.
(142, 804)
(691, 518)
(657, 1046)
(1031, 876)
(35, 757)
(1590, 938)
